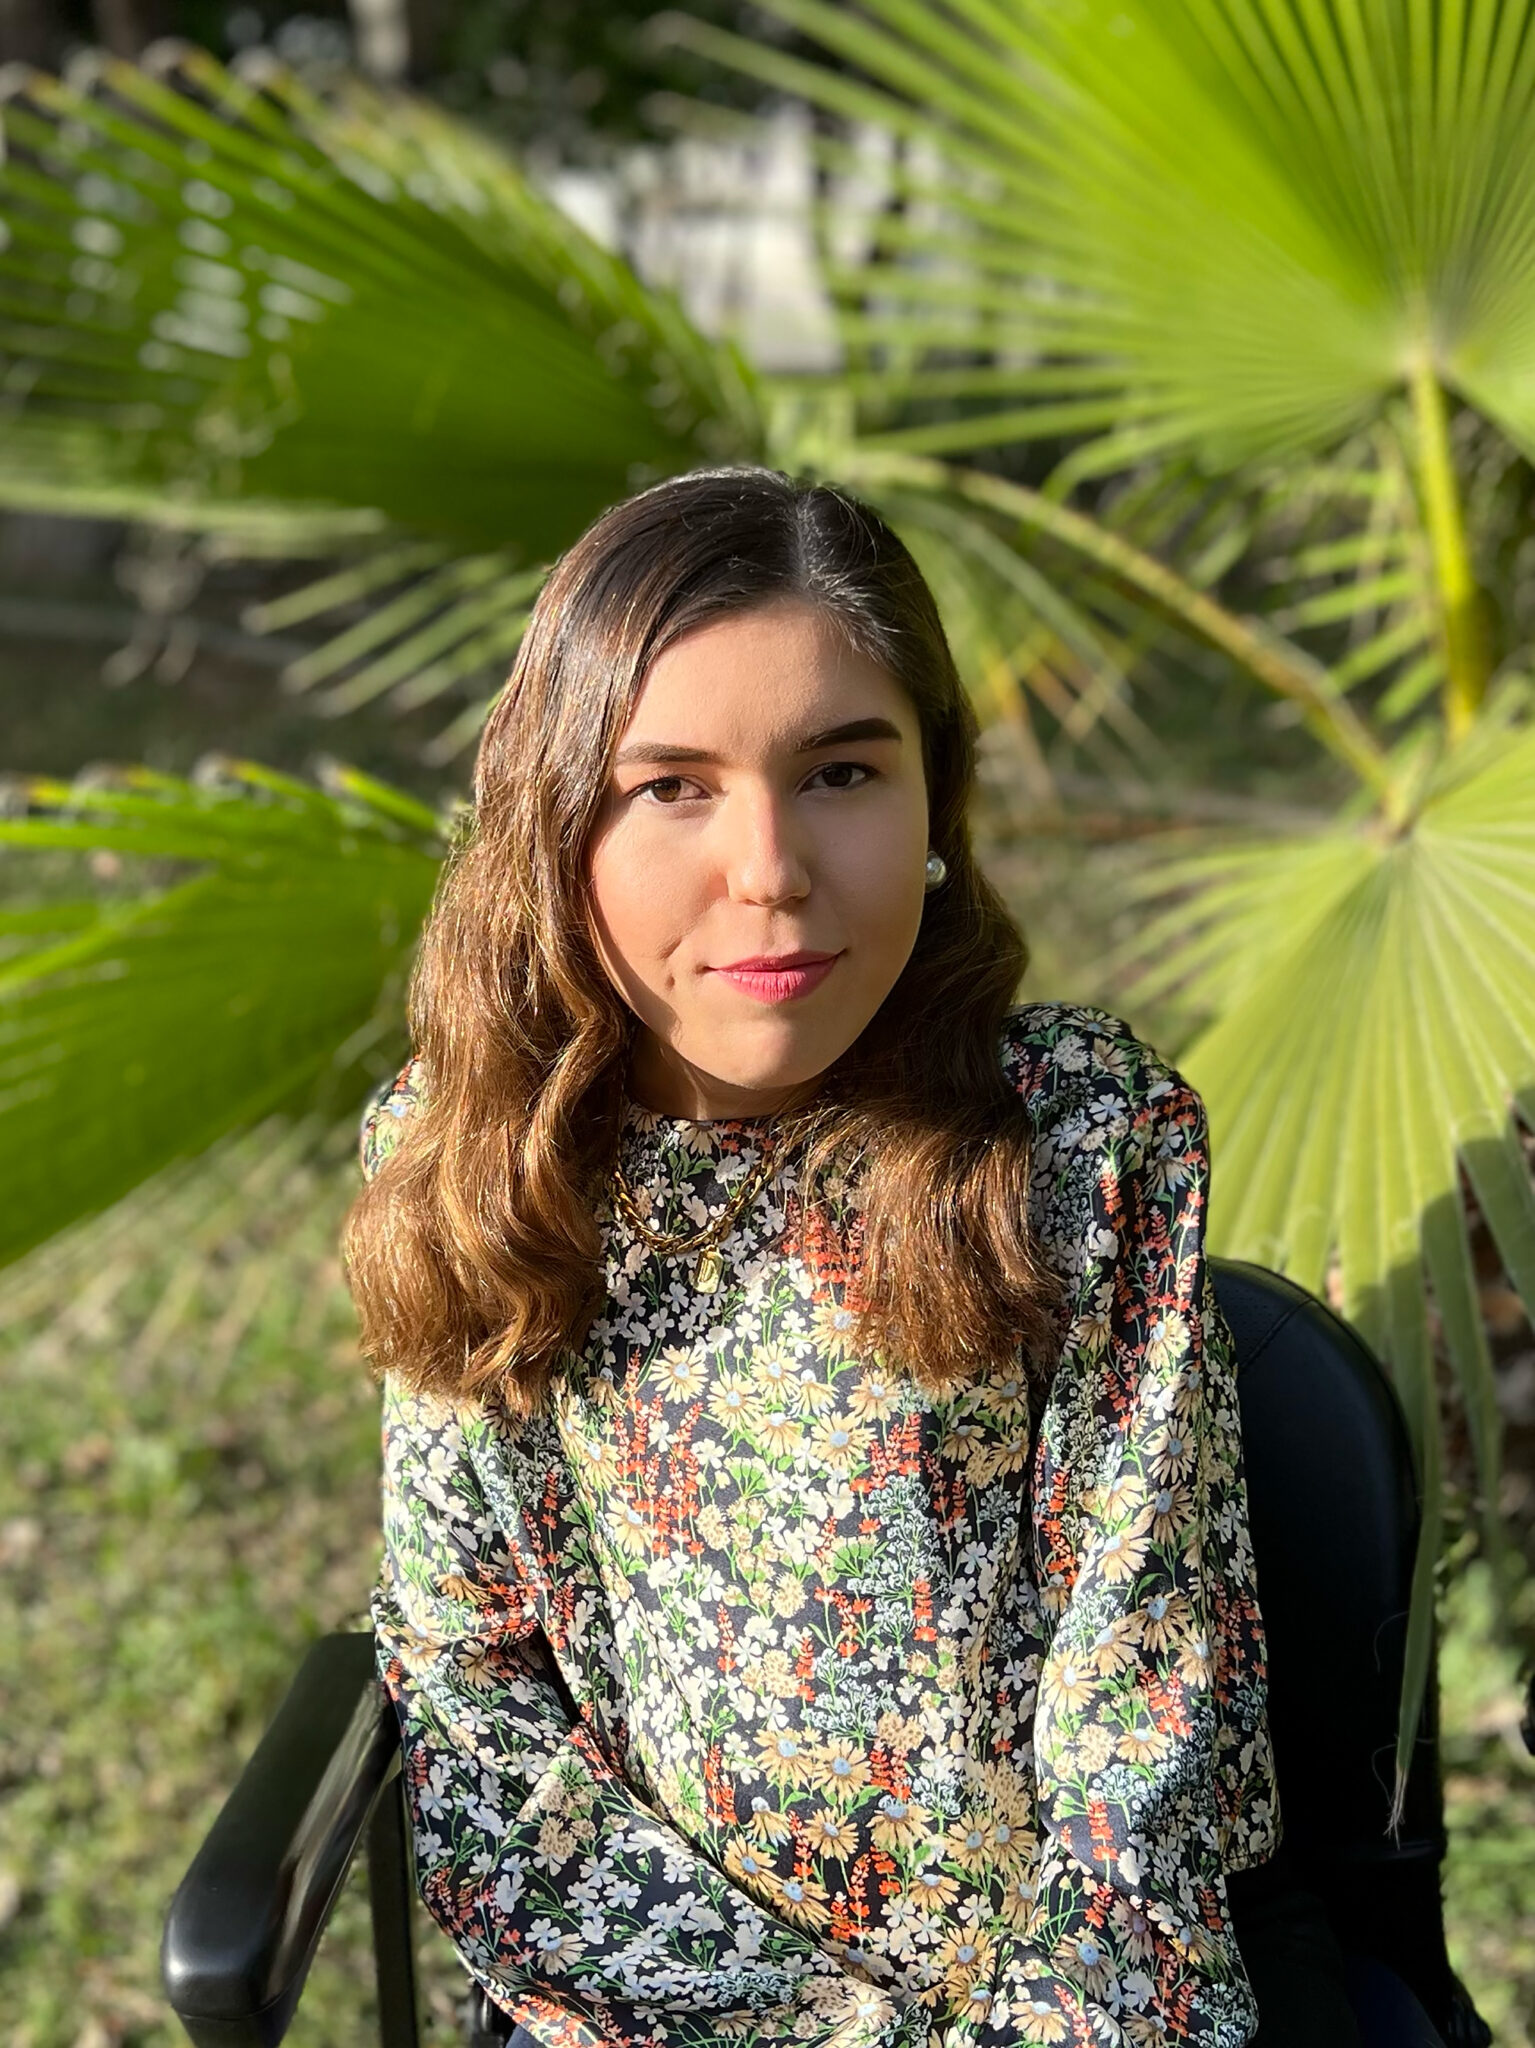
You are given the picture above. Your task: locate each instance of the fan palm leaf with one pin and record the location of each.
(194, 289)
(1252, 219)
(1224, 229)
(1371, 1049)
(256, 967)
(226, 304)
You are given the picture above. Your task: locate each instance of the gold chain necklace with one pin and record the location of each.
(709, 1267)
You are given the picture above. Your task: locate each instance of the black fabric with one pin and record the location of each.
(1389, 2015)
(1293, 1961)
(1333, 1508)
(1310, 1995)
(1332, 1497)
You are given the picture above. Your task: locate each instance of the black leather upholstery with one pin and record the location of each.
(1334, 1507)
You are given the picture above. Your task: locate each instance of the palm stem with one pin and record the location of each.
(1272, 660)
(1467, 658)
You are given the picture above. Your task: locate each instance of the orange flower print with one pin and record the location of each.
(752, 1688)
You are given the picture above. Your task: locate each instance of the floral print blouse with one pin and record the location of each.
(750, 1693)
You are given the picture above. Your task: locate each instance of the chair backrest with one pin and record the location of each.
(1333, 1500)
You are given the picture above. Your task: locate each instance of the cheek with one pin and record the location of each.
(876, 873)
(638, 901)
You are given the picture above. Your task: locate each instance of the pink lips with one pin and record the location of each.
(782, 980)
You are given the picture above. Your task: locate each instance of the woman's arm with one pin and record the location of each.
(567, 1896)
(1151, 1738)
(581, 1911)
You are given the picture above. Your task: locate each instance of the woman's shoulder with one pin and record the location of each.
(1067, 1060)
(1104, 1106)
(384, 1117)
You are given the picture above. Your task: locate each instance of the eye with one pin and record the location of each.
(840, 768)
(662, 790)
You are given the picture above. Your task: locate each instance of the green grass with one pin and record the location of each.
(1489, 1787)
(188, 1497)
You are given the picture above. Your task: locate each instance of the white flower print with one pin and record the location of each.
(869, 1683)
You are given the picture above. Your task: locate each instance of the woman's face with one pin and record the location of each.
(767, 799)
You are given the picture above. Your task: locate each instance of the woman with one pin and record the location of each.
(818, 1597)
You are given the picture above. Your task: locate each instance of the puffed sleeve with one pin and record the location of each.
(583, 1914)
(1154, 1767)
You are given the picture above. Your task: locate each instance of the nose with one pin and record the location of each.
(763, 852)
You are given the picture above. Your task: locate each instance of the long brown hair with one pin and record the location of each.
(475, 1255)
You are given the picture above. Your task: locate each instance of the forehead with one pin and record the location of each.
(763, 672)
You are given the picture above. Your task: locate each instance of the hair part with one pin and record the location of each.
(475, 1256)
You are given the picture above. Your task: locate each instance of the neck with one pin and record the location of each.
(668, 1085)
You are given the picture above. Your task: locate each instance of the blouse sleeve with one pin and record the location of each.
(385, 1115)
(1154, 1768)
(582, 1913)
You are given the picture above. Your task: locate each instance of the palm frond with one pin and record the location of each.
(1011, 625)
(1373, 996)
(258, 966)
(1352, 570)
(1265, 656)
(1235, 234)
(1243, 222)
(217, 291)
(445, 624)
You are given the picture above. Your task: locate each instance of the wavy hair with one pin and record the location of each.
(474, 1255)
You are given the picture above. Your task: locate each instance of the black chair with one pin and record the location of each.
(1333, 1503)
(1334, 1506)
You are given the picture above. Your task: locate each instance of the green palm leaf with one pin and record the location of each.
(352, 324)
(1226, 230)
(258, 969)
(218, 294)
(1252, 218)
(1373, 996)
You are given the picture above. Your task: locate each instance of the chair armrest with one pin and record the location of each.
(247, 1918)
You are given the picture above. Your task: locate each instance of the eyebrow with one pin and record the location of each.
(836, 735)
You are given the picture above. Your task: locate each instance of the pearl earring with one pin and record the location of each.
(937, 871)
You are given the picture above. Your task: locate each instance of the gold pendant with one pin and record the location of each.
(709, 1271)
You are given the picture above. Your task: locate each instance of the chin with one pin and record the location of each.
(773, 1056)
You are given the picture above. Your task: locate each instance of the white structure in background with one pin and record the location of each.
(381, 38)
(725, 224)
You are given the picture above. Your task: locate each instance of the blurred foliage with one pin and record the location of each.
(247, 955)
(1489, 1800)
(572, 80)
